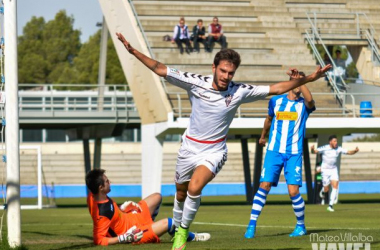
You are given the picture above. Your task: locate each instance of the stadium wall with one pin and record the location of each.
(63, 169)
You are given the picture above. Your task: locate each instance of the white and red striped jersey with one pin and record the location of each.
(212, 110)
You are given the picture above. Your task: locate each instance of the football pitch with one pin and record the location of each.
(225, 217)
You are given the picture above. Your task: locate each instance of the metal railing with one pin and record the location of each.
(350, 106)
(360, 32)
(74, 97)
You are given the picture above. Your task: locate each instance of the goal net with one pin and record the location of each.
(34, 192)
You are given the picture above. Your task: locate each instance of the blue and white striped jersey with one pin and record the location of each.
(288, 125)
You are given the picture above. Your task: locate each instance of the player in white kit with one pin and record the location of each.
(330, 154)
(215, 99)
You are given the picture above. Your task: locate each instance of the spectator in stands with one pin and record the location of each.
(339, 70)
(215, 34)
(339, 62)
(132, 222)
(199, 35)
(181, 35)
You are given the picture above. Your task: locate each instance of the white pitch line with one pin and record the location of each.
(210, 224)
(240, 225)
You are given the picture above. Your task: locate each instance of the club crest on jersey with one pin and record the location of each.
(228, 99)
(174, 71)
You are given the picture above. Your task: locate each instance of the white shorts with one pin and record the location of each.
(328, 175)
(188, 161)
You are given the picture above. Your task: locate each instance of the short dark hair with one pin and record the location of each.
(228, 55)
(338, 51)
(332, 137)
(200, 20)
(94, 179)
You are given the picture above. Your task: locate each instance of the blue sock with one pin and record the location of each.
(171, 230)
(190, 237)
(258, 204)
(171, 227)
(299, 209)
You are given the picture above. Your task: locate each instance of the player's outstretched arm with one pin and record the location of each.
(157, 67)
(283, 87)
(352, 152)
(267, 124)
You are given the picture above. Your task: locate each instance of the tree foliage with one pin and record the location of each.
(51, 52)
(368, 138)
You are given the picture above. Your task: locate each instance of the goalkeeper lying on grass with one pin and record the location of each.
(132, 222)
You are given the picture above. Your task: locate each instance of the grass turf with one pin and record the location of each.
(69, 226)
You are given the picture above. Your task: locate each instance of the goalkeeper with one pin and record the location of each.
(132, 222)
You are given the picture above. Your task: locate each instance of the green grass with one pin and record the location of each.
(70, 227)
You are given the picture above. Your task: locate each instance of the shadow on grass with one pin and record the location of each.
(84, 237)
(40, 233)
(81, 246)
(359, 201)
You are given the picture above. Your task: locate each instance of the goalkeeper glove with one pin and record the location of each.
(133, 234)
(130, 206)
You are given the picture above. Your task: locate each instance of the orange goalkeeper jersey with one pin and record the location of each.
(110, 221)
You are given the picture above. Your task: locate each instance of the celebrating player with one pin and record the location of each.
(215, 99)
(330, 154)
(132, 222)
(286, 120)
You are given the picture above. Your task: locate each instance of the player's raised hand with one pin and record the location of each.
(124, 41)
(320, 72)
(133, 234)
(293, 73)
(262, 142)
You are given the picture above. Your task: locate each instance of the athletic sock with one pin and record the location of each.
(172, 228)
(299, 209)
(157, 210)
(190, 210)
(258, 204)
(177, 211)
(333, 196)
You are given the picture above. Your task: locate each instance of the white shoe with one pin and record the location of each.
(202, 236)
(330, 209)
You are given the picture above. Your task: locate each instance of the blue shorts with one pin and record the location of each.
(273, 164)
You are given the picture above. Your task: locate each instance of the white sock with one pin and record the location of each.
(190, 209)
(177, 211)
(333, 196)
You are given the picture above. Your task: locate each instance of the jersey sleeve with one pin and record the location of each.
(321, 149)
(178, 78)
(309, 111)
(100, 232)
(343, 150)
(271, 105)
(251, 93)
